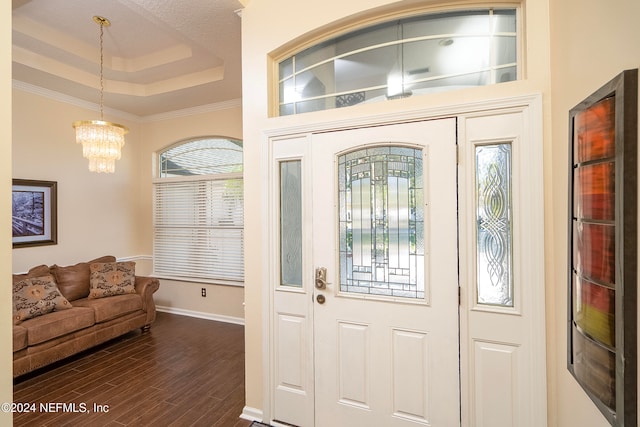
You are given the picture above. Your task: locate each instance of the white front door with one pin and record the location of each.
(385, 228)
(376, 209)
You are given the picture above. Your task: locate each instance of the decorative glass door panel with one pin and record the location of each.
(382, 222)
(291, 223)
(493, 219)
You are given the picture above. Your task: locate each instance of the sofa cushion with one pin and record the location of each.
(37, 271)
(58, 323)
(19, 338)
(111, 307)
(36, 296)
(112, 278)
(73, 280)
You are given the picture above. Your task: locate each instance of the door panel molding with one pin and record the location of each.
(411, 390)
(354, 349)
(496, 383)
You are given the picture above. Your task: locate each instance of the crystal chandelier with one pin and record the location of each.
(101, 141)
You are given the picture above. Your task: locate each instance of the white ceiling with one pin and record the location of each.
(159, 56)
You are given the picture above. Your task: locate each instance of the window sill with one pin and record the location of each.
(199, 280)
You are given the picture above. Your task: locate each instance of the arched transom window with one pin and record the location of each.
(400, 58)
(202, 157)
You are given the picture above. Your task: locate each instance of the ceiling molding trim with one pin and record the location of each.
(67, 99)
(56, 68)
(52, 37)
(65, 71)
(55, 39)
(154, 59)
(61, 97)
(201, 109)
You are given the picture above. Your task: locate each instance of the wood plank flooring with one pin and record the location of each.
(184, 372)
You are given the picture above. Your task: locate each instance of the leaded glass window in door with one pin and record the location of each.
(494, 217)
(381, 205)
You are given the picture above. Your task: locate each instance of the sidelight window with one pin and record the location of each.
(494, 253)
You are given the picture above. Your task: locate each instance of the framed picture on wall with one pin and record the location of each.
(34, 213)
(603, 240)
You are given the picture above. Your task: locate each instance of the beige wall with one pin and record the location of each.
(593, 41)
(267, 25)
(6, 383)
(98, 214)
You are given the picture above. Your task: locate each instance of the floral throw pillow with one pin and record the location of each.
(112, 278)
(36, 296)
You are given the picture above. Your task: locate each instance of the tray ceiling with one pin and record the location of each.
(158, 56)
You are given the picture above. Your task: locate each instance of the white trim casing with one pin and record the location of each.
(251, 414)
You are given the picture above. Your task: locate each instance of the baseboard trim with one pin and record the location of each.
(201, 315)
(251, 414)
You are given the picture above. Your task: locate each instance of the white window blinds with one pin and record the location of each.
(198, 228)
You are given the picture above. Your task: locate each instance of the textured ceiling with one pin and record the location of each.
(159, 56)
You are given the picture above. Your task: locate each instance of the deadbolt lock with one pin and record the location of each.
(321, 278)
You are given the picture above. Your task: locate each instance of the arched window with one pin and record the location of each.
(198, 228)
(400, 58)
(203, 156)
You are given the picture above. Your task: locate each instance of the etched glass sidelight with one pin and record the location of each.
(291, 223)
(381, 207)
(493, 222)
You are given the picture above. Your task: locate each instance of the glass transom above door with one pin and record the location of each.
(414, 55)
(381, 211)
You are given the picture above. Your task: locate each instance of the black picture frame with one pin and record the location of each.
(602, 249)
(34, 206)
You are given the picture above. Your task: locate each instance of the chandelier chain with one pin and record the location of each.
(101, 76)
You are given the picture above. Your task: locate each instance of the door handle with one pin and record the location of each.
(321, 278)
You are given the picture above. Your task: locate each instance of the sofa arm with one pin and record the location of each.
(145, 287)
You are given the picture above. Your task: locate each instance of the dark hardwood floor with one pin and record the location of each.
(184, 372)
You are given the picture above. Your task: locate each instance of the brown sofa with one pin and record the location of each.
(83, 320)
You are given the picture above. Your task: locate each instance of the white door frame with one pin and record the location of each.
(531, 108)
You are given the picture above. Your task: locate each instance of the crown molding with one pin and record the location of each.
(67, 99)
(192, 111)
